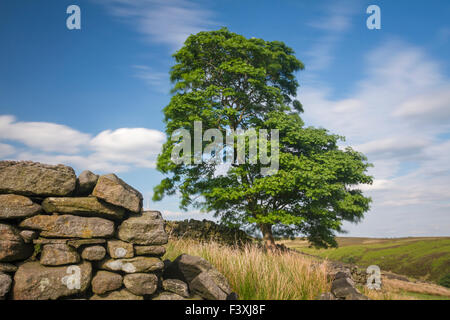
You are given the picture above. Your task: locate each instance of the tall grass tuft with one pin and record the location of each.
(258, 275)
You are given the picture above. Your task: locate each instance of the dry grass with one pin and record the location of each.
(417, 287)
(258, 275)
(395, 289)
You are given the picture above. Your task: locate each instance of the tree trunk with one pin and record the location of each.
(269, 241)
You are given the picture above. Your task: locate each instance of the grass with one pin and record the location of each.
(421, 258)
(258, 275)
(394, 289)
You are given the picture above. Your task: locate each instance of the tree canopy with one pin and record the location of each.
(229, 82)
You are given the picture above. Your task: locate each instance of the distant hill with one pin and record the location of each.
(425, 258)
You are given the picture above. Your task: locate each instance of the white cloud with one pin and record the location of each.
(395, 116)
(138, 146)
(6, 150)
(45, 136)
(158, 80)
(333, 25)
(162, 21)
(110, 150)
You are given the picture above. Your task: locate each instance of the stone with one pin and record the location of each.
(35, 179)
(168, 296)
(12, 246)
(123, 294)
(186, 267)
(356, 296)
(105, 281)
(94, 253)
(207, 231)
(61, 226)
(326, 296)
(167, 264)
(133, 265)
(33, 281)
(115, 191)
(29, 235)
(157, 251)
(205, 286)
(83, 242)
(7, 267)
(141, 283)
(201, 277)
(86, 182)
(120, 249)
(233, 296)
(14, 206)
(342, 274)
(343, 287)
(5, 285)
(43, 241)
(83, 206)
(144, 229)
(176, 286)
(58, 255)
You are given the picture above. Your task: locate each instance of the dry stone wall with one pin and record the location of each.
(206, 231)
(87, 237)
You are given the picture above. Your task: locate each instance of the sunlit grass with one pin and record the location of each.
(258, 275)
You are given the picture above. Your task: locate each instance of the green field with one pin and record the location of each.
(420, 258)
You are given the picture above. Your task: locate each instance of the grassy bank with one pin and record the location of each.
(254, 274)
(420, 258)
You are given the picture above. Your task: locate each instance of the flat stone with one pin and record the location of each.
(205, 286)
(7, 267)
(5, 285)
(133, 265)
(115, 191)
(75, 243)
(120, 249)
(83, 242)
(33, 281)
(35, 179)
(58, 255)
(201, 277)
(176, 286)
(43, 241)
(83, 206)
(144, 229)
(105, 281)
(157, 251)
(70, 226)
(94, 253)
(86, 182)
(14, 206)
(141, 283)
(12, 246)
(123, 294)
(343, 287)
(186, 267)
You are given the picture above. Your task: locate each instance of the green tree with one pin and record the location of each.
(229, 82)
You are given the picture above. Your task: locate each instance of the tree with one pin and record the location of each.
(229, 82)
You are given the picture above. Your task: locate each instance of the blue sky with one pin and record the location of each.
(93, 98)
